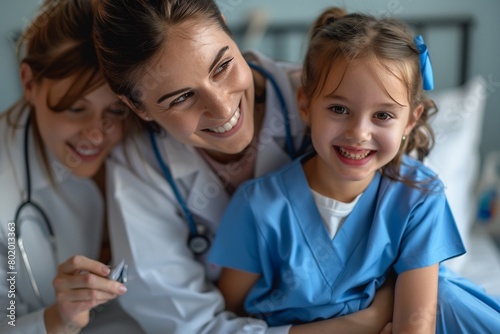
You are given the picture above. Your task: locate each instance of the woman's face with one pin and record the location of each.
(81, 137)
(200, 89)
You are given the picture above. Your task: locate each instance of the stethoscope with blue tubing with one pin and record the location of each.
(28, 203)
(197, 241)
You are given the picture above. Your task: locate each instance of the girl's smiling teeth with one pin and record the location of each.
(355, 155)
(229, 125)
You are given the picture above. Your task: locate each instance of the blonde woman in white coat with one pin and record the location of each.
(223, 119)
(53, 147)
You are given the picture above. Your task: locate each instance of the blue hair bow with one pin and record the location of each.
(425, 63)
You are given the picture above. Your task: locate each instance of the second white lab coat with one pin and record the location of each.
(75, 209)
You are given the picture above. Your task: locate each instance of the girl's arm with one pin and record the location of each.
(236, 284)
(415, 301)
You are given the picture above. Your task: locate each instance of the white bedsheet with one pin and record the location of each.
(482, 261)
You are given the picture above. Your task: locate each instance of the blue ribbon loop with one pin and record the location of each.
(425, 63)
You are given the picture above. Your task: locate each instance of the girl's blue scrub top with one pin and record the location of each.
(272, 227)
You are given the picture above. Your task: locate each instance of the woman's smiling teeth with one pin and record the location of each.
(86, 150)
(357, 155)
(229, 125)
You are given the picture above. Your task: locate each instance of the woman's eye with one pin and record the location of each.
(339, 110)
(383, 116)
(76, 109)
(180, 99)
(222, 67)
(118, 109)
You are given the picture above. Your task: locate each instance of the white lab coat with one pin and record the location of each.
(75, 210)
(168, 290)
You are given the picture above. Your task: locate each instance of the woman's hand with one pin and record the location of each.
(80, 285)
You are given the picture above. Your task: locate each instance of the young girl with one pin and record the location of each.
(315, 239)
(53, 146)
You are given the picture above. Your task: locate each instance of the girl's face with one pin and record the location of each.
(81, 137)
(200, 90)
(357, 123)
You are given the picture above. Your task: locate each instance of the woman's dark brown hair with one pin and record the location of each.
(129, 34)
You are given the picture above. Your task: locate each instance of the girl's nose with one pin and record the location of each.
(358, 130)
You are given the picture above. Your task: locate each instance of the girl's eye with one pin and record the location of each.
(223, 66)
(180, 99)
(383, 116)
(339, 110)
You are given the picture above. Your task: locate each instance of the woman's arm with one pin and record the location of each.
(236, 284)
(416, 301)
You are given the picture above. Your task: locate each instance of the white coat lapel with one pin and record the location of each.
(205, 195)
(271, 156)
(272, 138)
(15, 147)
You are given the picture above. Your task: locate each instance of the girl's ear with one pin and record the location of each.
(141, 113)
(417, 112)
(303, 105)
(26, 74)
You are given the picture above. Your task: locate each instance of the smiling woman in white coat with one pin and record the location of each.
(225, 117)
(53, 146)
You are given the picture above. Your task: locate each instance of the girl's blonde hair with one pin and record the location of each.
(337, 36)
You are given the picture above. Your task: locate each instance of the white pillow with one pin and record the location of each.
(455, 156)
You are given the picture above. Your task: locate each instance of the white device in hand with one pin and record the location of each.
(119, 273)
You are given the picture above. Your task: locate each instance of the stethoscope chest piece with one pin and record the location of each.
(199, 244)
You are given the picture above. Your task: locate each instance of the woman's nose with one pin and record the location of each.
(219, 104)
(94, 137)
(93, 131)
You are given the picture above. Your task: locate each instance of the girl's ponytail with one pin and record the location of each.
(327, 17)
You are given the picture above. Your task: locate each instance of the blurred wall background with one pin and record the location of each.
(485, 44)
(14, 16)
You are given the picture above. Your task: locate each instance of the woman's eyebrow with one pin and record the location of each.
(218, 57)
(166, 96)
(215, 61)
